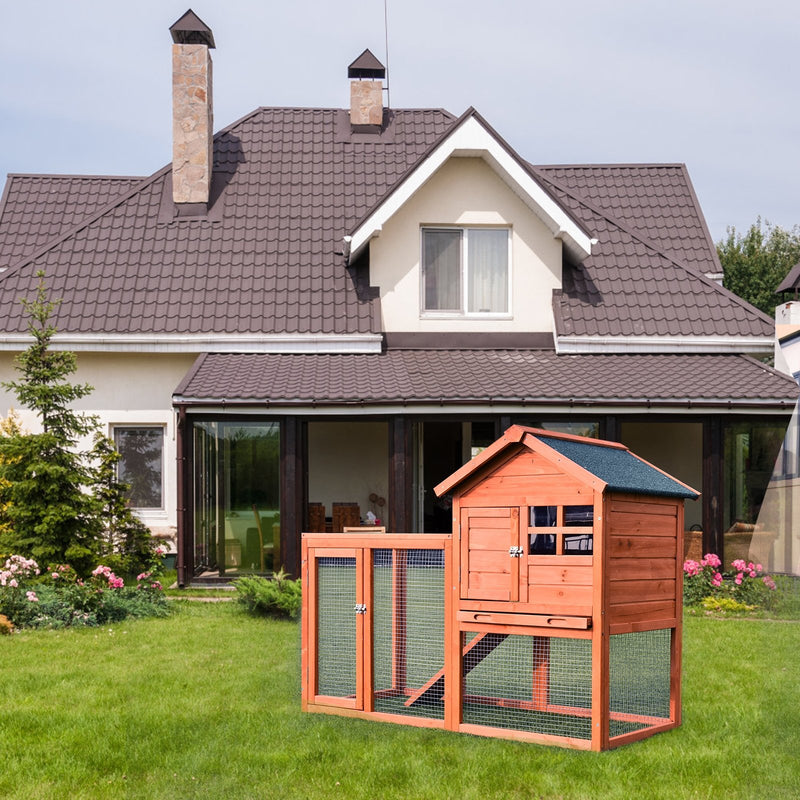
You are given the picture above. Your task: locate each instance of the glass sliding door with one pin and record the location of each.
(236, 496)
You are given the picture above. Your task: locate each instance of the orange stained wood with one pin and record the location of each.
(399, 617)
(639, 611)
(630, 591)
(641, 568)
(543, 574)
(486, 536)
(647, 524)
(563, 599)
(642, 546)
(540, 690)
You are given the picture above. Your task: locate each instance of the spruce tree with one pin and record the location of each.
(51, 517)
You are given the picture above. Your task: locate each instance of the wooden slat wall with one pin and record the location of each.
(643, 540)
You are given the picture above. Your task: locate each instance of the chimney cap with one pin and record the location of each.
(366, 66)
(190, 29)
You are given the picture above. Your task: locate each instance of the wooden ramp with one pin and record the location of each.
(475, 651)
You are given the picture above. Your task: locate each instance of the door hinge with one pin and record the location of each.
(516, 552)
(360, 608)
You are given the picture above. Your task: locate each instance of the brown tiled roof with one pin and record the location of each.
(488, 377)
(268, 259)
(631, 287)
(655, 200)
(38, 208)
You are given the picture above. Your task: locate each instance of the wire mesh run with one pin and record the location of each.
(539, 684)
(639, 680)
(336, 627)
(408, 632)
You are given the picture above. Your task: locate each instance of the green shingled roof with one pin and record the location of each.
(619, 469)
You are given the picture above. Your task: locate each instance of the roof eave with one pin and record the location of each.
(471, 137)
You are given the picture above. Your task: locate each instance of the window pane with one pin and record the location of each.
(487, 280)
(141, 464)
(441, 257)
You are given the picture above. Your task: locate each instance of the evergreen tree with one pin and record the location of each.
(50, 516)
(127, 544)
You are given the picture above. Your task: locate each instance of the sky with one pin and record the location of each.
(85, 86)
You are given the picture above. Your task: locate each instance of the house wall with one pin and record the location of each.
(348, 461)
(129, 389)
(466, 191)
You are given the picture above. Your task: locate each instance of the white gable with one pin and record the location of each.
(472, 139)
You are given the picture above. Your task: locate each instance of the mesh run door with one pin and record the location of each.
(337, 622)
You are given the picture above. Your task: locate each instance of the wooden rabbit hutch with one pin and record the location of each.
(552, 613)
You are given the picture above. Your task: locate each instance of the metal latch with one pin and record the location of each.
(360, 608)
(516, 552)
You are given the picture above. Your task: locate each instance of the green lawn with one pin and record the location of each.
(206, 703)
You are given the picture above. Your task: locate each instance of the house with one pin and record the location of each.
(320, 306)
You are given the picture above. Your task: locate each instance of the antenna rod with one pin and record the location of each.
(386, 32)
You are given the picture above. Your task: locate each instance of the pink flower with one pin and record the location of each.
(738, 579)
(752, 573)
(13, 583)
(739, 564)
(54, 575)
(711, 560)
(717, 579)
(691, 567)
(32, 598)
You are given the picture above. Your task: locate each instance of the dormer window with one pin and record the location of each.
(465, 271)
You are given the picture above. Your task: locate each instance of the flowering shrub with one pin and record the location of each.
(745, 583)
(58, 598)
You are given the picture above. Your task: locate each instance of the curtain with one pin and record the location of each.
(441, 256)
(487, 279)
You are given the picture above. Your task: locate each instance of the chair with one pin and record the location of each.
(345, 514)
(316, 518)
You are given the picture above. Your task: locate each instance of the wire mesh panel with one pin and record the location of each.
(538, 684)
(408, 632)
(336, 627)
(639, 680)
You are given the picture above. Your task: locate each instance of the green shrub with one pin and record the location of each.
(277, 596)
(60, 599)
(745, 583)
(725, 605)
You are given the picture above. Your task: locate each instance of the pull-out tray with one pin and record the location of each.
(532, 620)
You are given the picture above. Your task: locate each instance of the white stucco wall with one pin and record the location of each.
(129, 389)
(466, 191)
(348, 461)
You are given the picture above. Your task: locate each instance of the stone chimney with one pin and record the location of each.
(366, 75)
(192, 116)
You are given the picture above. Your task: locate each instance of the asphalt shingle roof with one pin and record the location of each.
(619, 469)
(495, 377)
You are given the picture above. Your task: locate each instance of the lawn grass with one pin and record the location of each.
(206, 703)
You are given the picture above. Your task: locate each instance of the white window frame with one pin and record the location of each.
(114, 427)
(462, 312)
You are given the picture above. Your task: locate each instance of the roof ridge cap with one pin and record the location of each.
(75, 176)
(652, 246)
